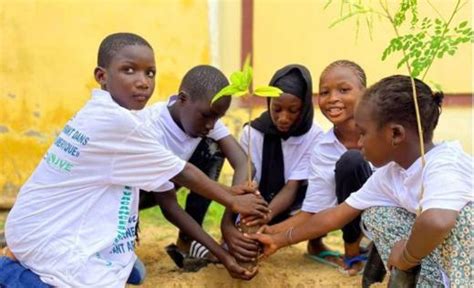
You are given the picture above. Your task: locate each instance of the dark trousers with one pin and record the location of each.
(351, 172)
(209, 159)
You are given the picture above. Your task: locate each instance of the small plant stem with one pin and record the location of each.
(249, 155)
(415, 101)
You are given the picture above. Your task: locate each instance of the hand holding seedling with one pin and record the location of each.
(243, 249)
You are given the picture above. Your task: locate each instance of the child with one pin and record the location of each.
(337, 168)
(441, 237)
(73, 221)
(281, 143)
(191, 129)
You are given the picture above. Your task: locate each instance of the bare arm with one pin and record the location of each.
(176, 215)
(429, 230)
(194, 179)
(293, 221)
(237, 159)
(318, 225)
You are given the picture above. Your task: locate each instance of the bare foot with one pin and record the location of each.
(354, 262)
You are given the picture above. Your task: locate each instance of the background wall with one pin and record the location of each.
(298, 31)
(48, 51)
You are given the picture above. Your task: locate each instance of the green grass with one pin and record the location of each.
(154, 216)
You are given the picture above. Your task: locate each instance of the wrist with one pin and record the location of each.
(409, 259)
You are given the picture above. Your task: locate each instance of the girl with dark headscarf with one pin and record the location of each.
(282, 139)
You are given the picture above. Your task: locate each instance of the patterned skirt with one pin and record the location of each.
(449, 264)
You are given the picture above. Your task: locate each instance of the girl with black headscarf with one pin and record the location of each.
(282, 139)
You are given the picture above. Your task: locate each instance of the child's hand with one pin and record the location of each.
(270, 242)
(249, 204)
(245, 188)
(237, 271)
(398, 259)
(252, 220)
(242, 248)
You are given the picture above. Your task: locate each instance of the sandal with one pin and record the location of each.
(321, 257)
(350, 261)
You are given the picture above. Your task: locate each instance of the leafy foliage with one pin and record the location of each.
(240, 85)
(434, 40)
(428, 39)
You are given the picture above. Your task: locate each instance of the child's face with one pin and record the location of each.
(285, 111)
(375, 142)
(198, 117)
(339, 89)
(130, 76)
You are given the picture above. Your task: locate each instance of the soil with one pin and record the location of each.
(286, 268)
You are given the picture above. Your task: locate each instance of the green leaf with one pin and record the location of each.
(247, 74)
(240, 93)
(226, 91)
(462, 24)
(267, 91)
(403, 61)
(349, 15)
(237, 78)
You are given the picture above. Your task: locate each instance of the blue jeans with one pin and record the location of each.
(138, 274)
(14, 275)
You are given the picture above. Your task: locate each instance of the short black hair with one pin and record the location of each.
(113, 43)
(358, 71)
(392, 99)
(202, 82)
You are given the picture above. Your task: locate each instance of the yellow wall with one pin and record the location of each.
(48, 50)
(298, 31)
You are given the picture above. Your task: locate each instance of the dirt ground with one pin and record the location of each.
(287, 268)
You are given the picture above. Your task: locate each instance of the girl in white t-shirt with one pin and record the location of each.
(281, 142)
(337, 167)
(440, 238)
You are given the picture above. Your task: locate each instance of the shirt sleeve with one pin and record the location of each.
(219, 132)
(373, 192)
(321, 193)
(302, 161)
(447, 183)
(140, 161)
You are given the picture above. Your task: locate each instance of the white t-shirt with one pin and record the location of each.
(173, 137)
(447, 181)
(296, 151)
(321, 192)
(74, 219)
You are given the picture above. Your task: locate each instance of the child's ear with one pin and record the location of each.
(100, 76)
(182, 97)
(398, 134)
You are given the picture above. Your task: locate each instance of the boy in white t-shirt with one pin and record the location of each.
(440, 238)
(73, 223)
(191, 128)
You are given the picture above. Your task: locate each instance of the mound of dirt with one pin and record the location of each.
(287, 268)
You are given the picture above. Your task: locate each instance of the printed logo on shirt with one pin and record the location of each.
(124, 213)
(57, 163)
(124, 242)
(76, 136)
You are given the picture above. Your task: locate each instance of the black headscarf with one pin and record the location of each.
(296, 80)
